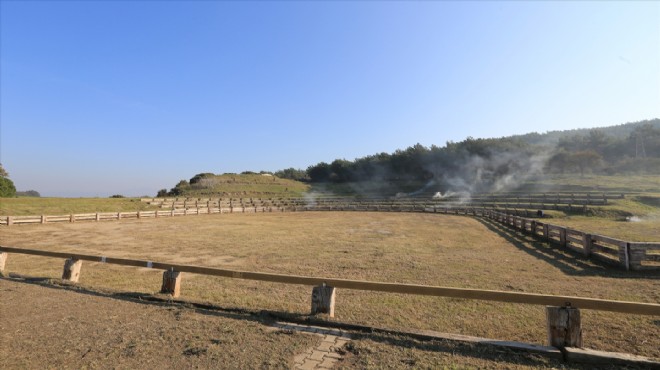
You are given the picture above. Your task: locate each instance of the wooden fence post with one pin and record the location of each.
(43, 219)
(171, 283)
(562, 237)
(624, 255)
(586, 244)
(636, 255)
(546, 231)
(3, 261)
(72, 270)
(564, 327)
(323, 300)
(98, 217)
(10, 220)
(72, 218)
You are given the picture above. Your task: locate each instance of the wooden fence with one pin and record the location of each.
(626, 254)
(477, 294)
(563, 315)
(551, 198)
(545, 203)
(113, 216)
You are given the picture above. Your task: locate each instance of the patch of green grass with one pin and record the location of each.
(595, 183)
(246, 186)
(58, 206)
(635, 218)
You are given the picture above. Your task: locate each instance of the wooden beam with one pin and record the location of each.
(609, 359)
(171, 283)
(71, 271)
(3, 261)
(323, 300)
(564, 327)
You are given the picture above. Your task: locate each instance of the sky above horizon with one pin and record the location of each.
(115, 97)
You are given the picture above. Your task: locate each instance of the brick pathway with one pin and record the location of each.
(325, 354)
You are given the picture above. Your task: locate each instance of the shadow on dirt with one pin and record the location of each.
(362, 335)
(497, 356)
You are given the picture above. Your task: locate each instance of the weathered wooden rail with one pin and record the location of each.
(562, 312)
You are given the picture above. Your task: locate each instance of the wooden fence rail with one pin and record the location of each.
(625, 254)
(437, 291)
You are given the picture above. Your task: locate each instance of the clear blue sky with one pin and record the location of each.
(106, 97)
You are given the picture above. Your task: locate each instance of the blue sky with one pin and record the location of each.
(107, 97)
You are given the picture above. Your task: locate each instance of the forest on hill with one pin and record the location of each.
(498, 164)
(472, 165)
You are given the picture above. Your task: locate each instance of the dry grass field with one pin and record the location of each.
(59, 329)
(427, 249)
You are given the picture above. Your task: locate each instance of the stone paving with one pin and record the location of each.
(326, 354)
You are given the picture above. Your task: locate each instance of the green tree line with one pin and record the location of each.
(487, 164)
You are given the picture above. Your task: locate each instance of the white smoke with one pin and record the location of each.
(461, 196)
(500, 171)
(310, 199)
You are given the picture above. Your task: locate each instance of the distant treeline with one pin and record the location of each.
(28, 193)
(498, 164)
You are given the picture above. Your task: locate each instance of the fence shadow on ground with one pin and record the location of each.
(136, 297)
(569, 262)
(503, 356)
(500, 356)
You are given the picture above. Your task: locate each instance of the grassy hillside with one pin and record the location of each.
(239, 186)
(593, 183)
(628, 184)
